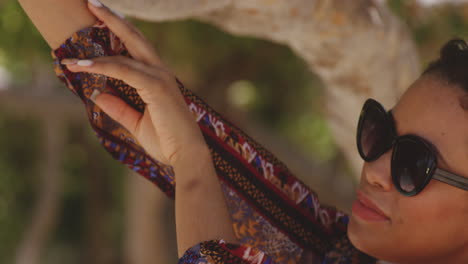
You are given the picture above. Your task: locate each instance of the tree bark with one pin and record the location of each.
(45, 212)
(358, 48)
(150, 228)
(97, 199)
(53, 136)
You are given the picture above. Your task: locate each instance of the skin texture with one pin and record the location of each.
(431, 226)
(166, 129)
(427, 228)
(56, 20)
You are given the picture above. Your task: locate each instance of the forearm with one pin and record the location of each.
(56, 20)
(201, 211)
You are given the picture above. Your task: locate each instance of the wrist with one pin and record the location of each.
(194, 171)
(191, 156)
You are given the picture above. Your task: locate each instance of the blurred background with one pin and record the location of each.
(64, 200)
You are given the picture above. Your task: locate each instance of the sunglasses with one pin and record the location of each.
(414, 159)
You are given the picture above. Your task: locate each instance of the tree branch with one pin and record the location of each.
(358, 48)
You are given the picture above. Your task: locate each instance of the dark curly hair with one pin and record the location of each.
(452, 65)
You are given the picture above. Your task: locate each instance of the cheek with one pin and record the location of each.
(433, 219)
(436, 203)
(414, 210)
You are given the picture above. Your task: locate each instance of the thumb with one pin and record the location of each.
(117, 109)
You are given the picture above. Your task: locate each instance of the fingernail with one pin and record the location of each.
(85, 63)
(69, 61)
(95, 3)
(94, 95)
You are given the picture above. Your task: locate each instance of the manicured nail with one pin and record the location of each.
(94, 95)
(85, 63)
(69, 61)
(95, 3)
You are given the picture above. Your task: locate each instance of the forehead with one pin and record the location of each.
(431, 109)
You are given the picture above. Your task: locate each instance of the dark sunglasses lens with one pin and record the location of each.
(412, 162)
(375, 132)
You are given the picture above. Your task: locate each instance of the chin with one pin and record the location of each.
(366, 239)
(353, 234)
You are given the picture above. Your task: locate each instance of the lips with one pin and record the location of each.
(364, 208)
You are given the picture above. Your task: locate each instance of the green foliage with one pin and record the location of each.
(18, 177)
(83, 155)
(20, 42)
(432, 27)
(276, 89)
(399, 7)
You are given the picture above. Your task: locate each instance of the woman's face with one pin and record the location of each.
(433, 225)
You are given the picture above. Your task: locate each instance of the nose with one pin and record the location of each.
(377, 173)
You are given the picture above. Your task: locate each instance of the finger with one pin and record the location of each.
(138, 46)
(118, 110)
(133, 72)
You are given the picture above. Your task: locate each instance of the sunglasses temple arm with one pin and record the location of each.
(450, 178)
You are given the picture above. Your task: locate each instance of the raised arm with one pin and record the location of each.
(272, 210)
(56, 20)
(201, 212)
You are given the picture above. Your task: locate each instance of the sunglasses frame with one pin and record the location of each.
(433, 173)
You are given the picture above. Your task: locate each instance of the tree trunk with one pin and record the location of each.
(97, 199)
(46, 209)
(358, 48)
(45, 212)
(150, 229)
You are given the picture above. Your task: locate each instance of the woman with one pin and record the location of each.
(412, 200)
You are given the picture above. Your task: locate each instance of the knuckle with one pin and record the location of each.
(101, 63)
(154, 83)
(163, 74)
(161, 85)
(123, 69)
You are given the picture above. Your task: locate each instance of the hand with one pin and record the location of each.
(167, 130)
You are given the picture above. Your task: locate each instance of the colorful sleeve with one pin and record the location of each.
(220, 252)
(271, 209)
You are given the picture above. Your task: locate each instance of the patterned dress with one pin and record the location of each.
(275, 216)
